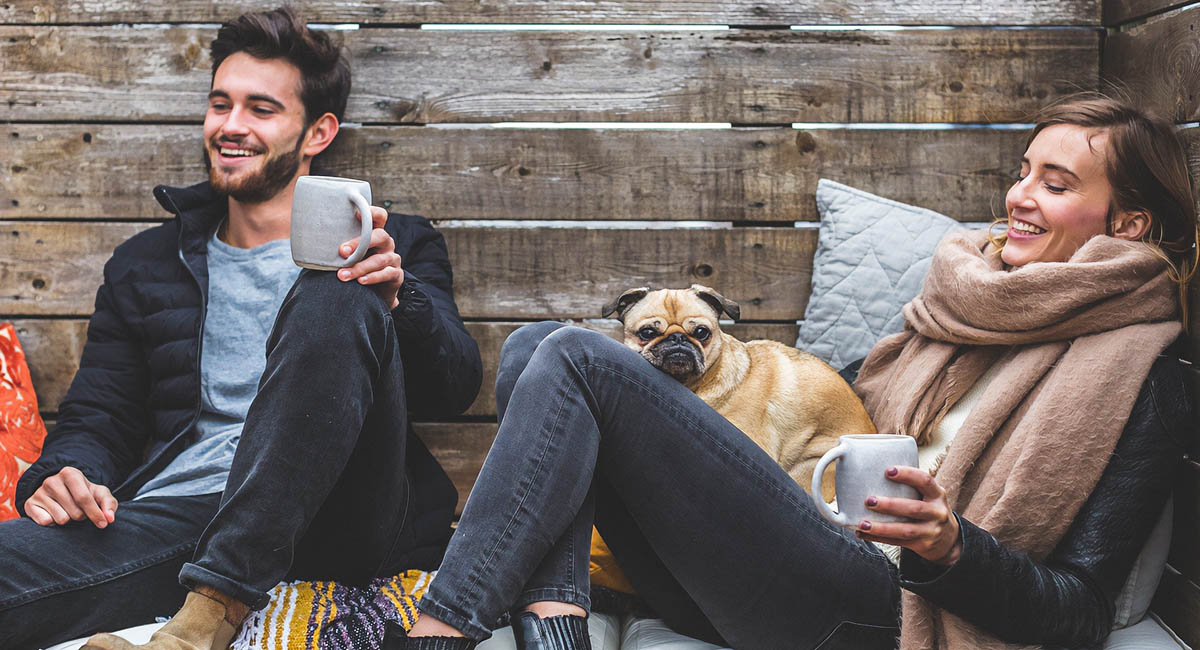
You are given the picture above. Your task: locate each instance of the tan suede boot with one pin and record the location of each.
(199, 625)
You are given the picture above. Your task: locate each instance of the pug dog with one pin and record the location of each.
(792, 404)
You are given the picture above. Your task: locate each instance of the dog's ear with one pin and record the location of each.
(624, 302)
(718, 302)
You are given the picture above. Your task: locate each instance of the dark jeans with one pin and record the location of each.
(317, 489)
(712, 533)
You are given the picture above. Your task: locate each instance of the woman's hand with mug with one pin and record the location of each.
(934, 533)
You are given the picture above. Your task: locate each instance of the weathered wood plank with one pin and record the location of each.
(1159, 62)
(761, 12)
(53, 268)
(740, 76)
(53, 348)
(560, 273)
(1119, 12)
(89, 171)
(1185, 537)
(1176, 602)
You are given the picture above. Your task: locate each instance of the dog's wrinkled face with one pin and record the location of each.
(676, 330)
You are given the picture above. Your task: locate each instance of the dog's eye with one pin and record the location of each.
(701, 333)
(647, 333)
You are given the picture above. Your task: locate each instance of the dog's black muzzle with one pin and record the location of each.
(677, 356)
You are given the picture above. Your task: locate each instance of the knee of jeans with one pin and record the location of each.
(319, 296)
(583, 345)
(518, 348)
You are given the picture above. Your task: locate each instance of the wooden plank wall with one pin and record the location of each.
(102, 100)
(1155, 52)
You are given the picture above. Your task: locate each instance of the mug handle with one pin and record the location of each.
(364, 239)
(822, 507)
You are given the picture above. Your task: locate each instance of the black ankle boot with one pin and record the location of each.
(554, 633)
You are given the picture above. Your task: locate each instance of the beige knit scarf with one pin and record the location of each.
(1074, 342)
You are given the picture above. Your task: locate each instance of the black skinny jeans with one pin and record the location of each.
(712, 533)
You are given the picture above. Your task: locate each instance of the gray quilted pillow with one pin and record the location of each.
(872, 255)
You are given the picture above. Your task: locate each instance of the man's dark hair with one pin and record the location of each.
(281, 34)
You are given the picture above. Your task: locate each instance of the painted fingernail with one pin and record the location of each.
(872, 502)
(892, 471)
(345, 275)
(345, 249)
(865, 525)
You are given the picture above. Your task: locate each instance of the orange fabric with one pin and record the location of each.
(21, 427)
(603, 568)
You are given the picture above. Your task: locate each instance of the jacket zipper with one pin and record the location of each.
(199, 350)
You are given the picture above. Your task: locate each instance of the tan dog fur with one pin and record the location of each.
(792, 404)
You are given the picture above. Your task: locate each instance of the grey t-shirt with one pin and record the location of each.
(245, 289)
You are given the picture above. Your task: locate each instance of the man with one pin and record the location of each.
(301, 464)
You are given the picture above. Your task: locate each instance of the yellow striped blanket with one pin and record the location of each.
(331, 616)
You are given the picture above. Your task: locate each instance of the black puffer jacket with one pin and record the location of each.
(1068, 599)
(138, 383)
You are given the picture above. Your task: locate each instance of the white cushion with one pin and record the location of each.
(1150, 634)
(872, 256)
(653, 634)
(1134, 600)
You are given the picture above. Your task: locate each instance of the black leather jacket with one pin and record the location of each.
(1068, 599)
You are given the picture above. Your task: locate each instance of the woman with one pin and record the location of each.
(1038, 508)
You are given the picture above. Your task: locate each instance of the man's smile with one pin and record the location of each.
(233, 154)
(237, 153)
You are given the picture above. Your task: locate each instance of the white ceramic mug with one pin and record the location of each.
(323, 218)
(862, 461)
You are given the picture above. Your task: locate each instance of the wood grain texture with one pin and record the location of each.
(1177, 601)
(53, 268)
(558, 273)
(90, 171)
(1159, 62)
(740, 76)
(1119, 12)
(760, 12)
(53, 347)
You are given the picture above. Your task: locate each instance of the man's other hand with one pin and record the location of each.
(380, 269)
(68, 496)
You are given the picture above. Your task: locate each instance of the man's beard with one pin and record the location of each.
(260, 184)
